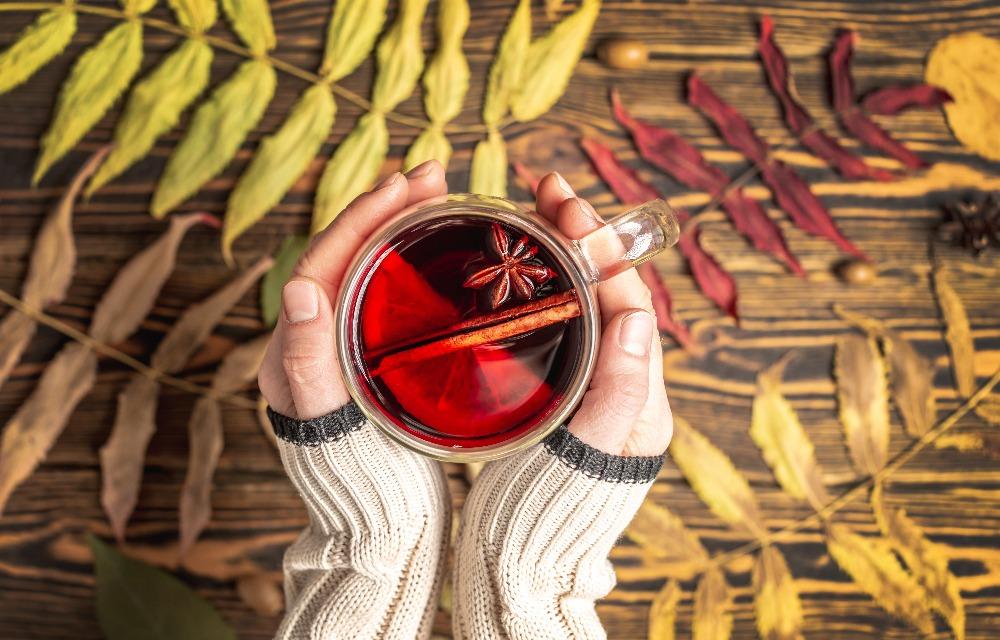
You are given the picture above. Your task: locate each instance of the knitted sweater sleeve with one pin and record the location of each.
(369, 563)
(536, 532)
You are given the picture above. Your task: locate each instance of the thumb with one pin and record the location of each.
(308, 356)
(620, 387)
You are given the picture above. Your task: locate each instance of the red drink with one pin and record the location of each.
(468, 331)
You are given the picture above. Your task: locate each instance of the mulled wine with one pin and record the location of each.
(466, 331)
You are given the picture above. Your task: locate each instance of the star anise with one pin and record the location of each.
(518, 271)
(974, 224)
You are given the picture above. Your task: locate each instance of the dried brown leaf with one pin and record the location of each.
(989, 409)
(776, 429)
(129, 298)
(663, 535)
(863, 401)
(205, 442)
(712, 619)
(123, 454)
(663, 612)
(53, 259)
(38, 422)
(958, 334)
(874, 567)
(912, 379)
(715, 479)
(927, 561)
(240, 365)
(261, 594)
(776, 600)
(195, 324)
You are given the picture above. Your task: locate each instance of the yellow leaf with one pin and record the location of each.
(712, 619)
(958, 334)
(663, 612)
(99, 76)
(205, 441)
(136, 7)
(776, 600)
(550, 62)
(218, 128)
(279, 162)
(352, 168)
(967, 65)
(663, 535)
(446, 80)
(155, 106)
(989, 409)
(488, 175)
(36, 46)
(863, 401)
(400, 57)
(354, 25)
(714, 478)
(776, 429)
(252, 23)
(36, 426)
(872, 565)
(505, 73)
(431, 144)
(927, 560)
(195, 15)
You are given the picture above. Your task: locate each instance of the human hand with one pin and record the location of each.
(300, 376)
(626, 411)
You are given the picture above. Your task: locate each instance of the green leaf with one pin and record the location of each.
(489, 167)
(352, 169)
(138, 602)
(218, 128)
(36, 46)
(270, 288)
(99, 76)
(252, 23)
(430, 144)
(155, 106)
(505, 74)
(351, 35)
(195, 15)
(550, 62)
(280, 161)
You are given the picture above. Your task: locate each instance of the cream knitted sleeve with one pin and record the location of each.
(536, 532)
(369, 563)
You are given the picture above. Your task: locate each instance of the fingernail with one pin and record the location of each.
(389, 181)
(635, 333)
(300, 300)
(563, 185)
(421, 169)
(588, 209)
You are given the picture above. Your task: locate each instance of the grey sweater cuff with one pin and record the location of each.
(582, 457)
(311, 433)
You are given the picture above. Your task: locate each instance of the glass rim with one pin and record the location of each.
(492, 208)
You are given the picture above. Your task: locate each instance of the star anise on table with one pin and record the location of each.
(517, 272)
(974, 224)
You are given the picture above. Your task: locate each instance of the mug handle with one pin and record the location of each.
(629, 240)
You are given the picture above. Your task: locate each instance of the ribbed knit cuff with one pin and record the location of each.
(582, 457)
(316, 431)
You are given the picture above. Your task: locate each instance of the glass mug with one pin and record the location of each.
(468, 327)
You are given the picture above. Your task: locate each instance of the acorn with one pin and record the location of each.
(858, 272)
(623, 53)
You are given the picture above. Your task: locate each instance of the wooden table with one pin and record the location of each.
(46, 582)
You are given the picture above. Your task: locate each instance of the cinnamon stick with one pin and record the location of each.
(478, 331)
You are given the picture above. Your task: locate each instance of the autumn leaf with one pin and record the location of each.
(354, 25)
(270, 288)
(431, 144)
(489, 167)
(927, 560)
(958, 333)
(874, 567)
(252, 22)
(863, 401)
(41, 41)
(715, 479)
(663, 535)
(787, 449)
(712, 619)
(399, 57)
(776, 600)
(262, 594)
(505, 72)
(663, 612)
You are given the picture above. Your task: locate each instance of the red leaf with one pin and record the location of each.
(718, 285)
(791, 192)
(894, 99)
(623, 180)
(800, 122)
(527, 176)
(853, 120)
(668, 151)
(663, 305)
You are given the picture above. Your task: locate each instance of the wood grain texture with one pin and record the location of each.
(954, 496)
